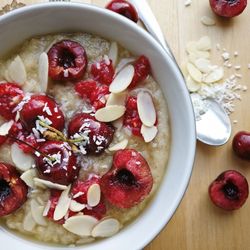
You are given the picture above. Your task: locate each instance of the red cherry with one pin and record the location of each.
(29, 139)
(241, 145)
(10, 95)
(98, 135)
(80, 189)
(67, 61)
(229, 190)
(131, 117)
(53, 201)
(228, 8)
(129, 180)
(142, 70)
(124, 8)
(62, 165)
(103, 71)
(13, 191)
(45, 107)
(89, 89)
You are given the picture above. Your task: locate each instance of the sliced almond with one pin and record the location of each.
(122, 79)
(81, 225)
(113, 53)
(204, 43)
(76, 206)
(208, 21)
(43, 71)
(28, 177)
(118, 146)
(214, 76)
(48, 184)
(106, 228)
(124, 62)
(62, 205)
(203, 64)
(192, 85)
(118, 124)
(22, 161)
(146, 108)
(28, 222)
(47, 208)
(202, 54)
(16, 71)
(37, 213)
(191, 47)
(148, 133)
(192, 58)
(117, 99)
(110, 113)
(6, 76)
(5, 128)
(194, 72)
(94, 195)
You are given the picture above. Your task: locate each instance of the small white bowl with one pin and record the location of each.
(21, 24)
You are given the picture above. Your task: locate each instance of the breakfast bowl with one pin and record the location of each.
(55, 25)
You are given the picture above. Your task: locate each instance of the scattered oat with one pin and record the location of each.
(225, 56)
(237, 67)
(188, 3)
(236, 53)
(235, 121)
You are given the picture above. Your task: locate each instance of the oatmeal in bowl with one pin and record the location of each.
(87, 133)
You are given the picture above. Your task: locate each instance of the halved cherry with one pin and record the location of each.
(44, 107)
(67, 61)
(13, 191)
(93, 136)
(10, 95)
(60, 165)
(103, 71)
(129, 180)
(124, 8)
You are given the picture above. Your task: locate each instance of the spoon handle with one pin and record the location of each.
(148, 18)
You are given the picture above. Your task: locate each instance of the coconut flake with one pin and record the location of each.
(146, 108)
(5, 128)
(16, 71)
(43, 71)
(62, 205)
(81, 225)
(76, 206)
(148, 133)
(37, 213)
(48, 184)
(122, 79)
(106, 228)
(113, 53)
(21, 160)
(28, 177)
(118, 146)
(94, 195)
(110, 113)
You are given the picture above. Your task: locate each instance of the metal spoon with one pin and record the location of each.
(214, 126)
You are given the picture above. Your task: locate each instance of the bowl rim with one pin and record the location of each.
(190, 160)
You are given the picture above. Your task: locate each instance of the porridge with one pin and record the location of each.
(84, 138)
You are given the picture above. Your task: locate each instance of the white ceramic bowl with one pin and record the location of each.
(26, 22)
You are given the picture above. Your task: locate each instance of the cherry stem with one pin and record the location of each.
(36, 150)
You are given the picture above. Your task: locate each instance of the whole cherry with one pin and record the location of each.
(228, 8)
(43, 108)
(123, 8)
(241, 145)
(91, 136)
(57, 163)
(229, 190)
